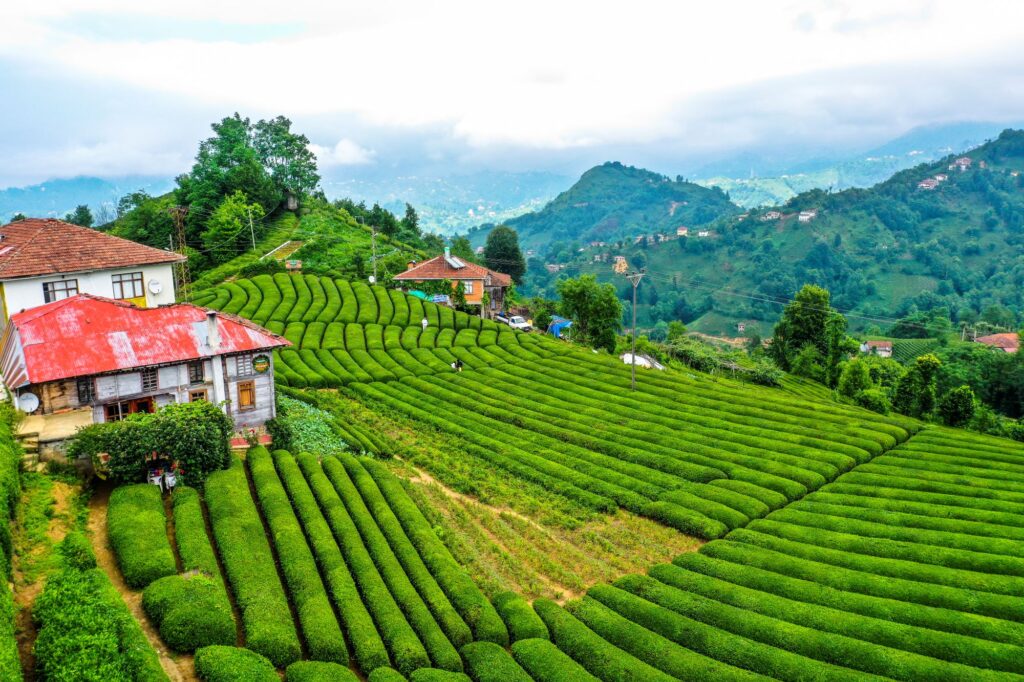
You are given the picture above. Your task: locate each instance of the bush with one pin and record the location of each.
(137, 527)
(318, 671)
(243, 546)
(406, 649)
(520, 618)
(195, 434)
(360, 630)
(85, 631)
(600, 658)
(441, 651)
(76, 551)
(437, 675)
(488, 662)
(385, 674)
(874, 399)
(190, 612)
(545, 662)
(323, 636)
(957, 407)
(464, 594)
(231, 664)
(194, 546)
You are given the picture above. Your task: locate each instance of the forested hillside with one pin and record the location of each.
(883, 252)
(612, 202)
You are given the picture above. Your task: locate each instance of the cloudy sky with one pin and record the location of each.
(113, 87)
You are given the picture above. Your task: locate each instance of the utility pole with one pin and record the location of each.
(178, 214)
(252, 231)
(634, 279)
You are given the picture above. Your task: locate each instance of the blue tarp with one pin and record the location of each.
(418, 294)
(557, 325)
(440, 298)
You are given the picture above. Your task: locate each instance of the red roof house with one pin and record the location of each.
(115, 358)
(476, 279)
(45, 260)
(1008, 342)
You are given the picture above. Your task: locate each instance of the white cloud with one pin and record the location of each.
(344, 153)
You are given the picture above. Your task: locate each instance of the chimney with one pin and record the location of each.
(410, 265)
(212, 331)
(447, 253)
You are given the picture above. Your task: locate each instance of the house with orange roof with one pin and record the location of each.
(476, 280)
(1006, 342)
(47, 260)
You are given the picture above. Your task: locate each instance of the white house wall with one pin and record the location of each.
(24, 293)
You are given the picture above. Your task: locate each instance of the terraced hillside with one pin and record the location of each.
(909, 567)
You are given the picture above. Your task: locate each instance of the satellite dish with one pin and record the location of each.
(28, 402)
(155, 287)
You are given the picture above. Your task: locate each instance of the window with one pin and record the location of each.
(243, 366)
(86, 391)
(196, 372)
(149, 380)
(128, 285)
(467, 287)
(197, 395)
(61, 289)
(246, 395)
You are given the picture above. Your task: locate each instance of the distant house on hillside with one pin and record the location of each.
(620, 266)
(941, 177)
(682, 231)
(807, 216)
(88, 359)
(882, 349)
(47, 260)
(772, 215)
(928, 184)
(704, 233)
(475, 279)
(961, 164)
(1008, 343)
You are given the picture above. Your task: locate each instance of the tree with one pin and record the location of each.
(461, 248)
(676, 330)
(228, 230)
(808, 363)
(411, 223)
(19, 216)
(915, 391)
(837, 347)
(501, 253)
(285, 156)
(802, 323)
(854, 379)
(195, 434)
(595, 311)
(80, 216)
(542, 309)
(957, 407)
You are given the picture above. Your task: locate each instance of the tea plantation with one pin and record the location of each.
(842, 544)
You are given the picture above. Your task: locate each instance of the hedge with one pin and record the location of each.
(442, 653)
(390, 527)
(10, 666)
(416, 311)
(231, 664)
(238, 298)
(400, 310)
(488, 662)
(313, 336)
(367, 645)
(672, 657)
(368, 312)
(891, 611)
(406, 650)
(437, 675)
(271, 298)
(318, 671)
(384, 306)
(603, 660)
(332, 306)
(137, 528)
(319, 299)
(190, 612)
(640, 600)
(349, 311)
(324, 641)
(85, 630)
(464, 594)
(388, 675)
(288, 297)
(545, 662)
(255, 298)
(194, 546)
(432, 311)
(303, 298)
(519, 617)
(244, 549)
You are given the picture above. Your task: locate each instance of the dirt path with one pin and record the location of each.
(178, 667)
(25, 594)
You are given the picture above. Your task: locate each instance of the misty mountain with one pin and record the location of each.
(55, 198)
